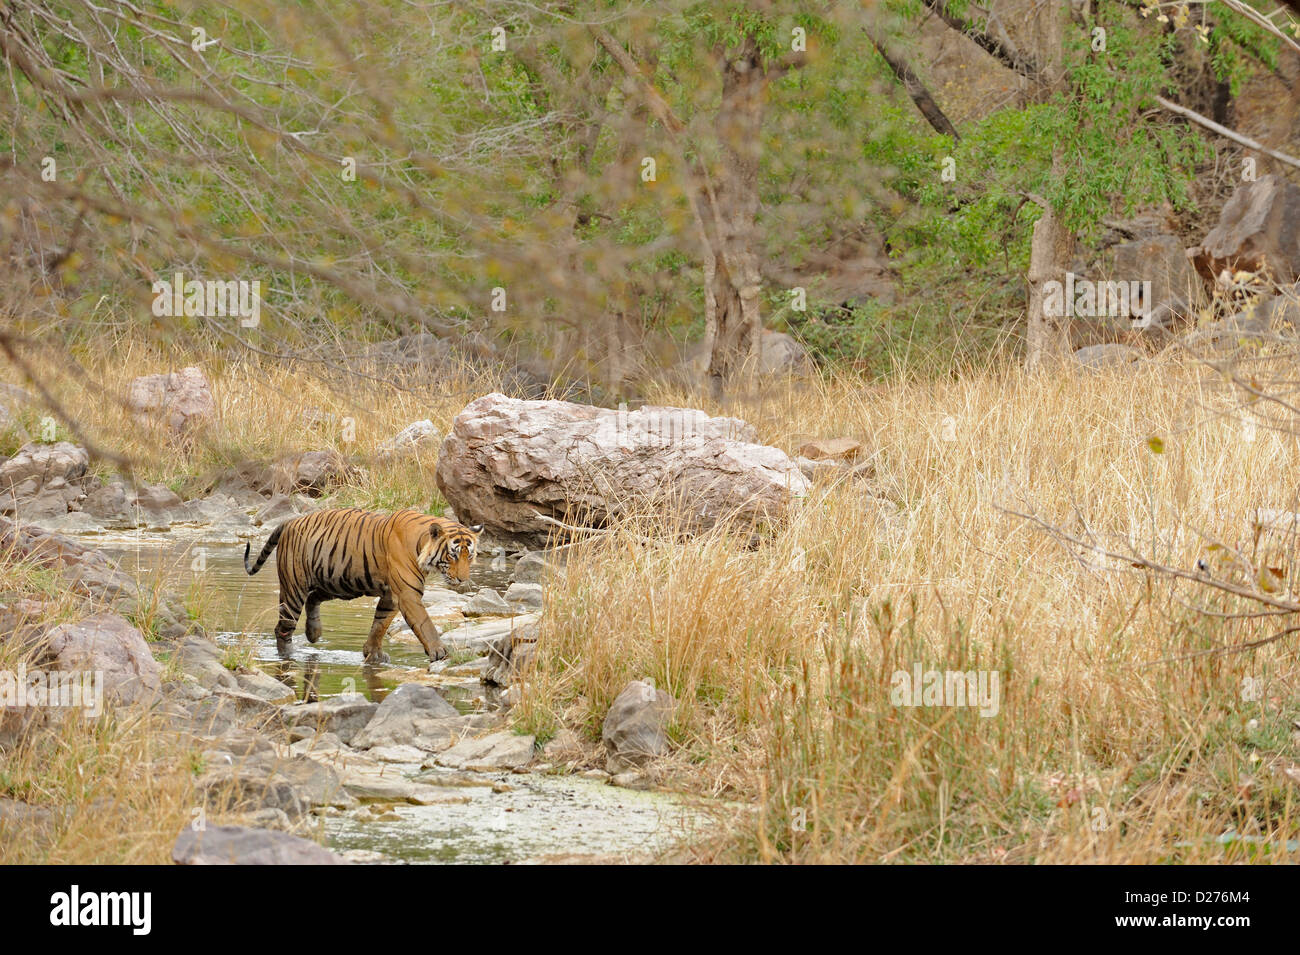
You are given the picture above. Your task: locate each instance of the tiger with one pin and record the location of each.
(342, 553)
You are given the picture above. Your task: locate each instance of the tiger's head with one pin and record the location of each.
(451, 549)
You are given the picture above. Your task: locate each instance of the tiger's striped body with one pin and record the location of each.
(342, 553)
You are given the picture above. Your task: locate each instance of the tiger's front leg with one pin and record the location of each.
(385, 611)
(412, 608)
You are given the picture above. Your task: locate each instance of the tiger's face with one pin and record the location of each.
(452, 553)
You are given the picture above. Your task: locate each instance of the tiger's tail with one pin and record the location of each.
(266, 550)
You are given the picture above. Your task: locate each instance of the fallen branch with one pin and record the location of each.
(915, 89)
(1225, 132)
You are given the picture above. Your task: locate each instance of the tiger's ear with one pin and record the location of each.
(476, 528)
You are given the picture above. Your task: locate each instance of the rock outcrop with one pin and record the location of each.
(508, 460)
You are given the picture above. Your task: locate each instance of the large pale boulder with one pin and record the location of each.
(1259, 228)
(507, 459)
(181, 400)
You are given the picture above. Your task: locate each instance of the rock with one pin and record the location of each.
(237, 845)
(814, 470)
(344, 715)
(525, 596)
(1268, 317)
(482, 635)
(509, 657)
(108, 503)
(778, 354)
(832, 449)
(232, 788)
(319, 746)
(42, 464)
(1175, 286)
(157, 498)
(372, 788)
(249, 707)
(315, 783)
(487, 603)
(412, 715)
(106, 643)
(241, 741)
(418, 436)
(566, 744)
(276, 511)
(631, 779)
(396, 754)
(214, 716)
(507, 459)
(181, 400)
(273, 819)
(1258, 229)
(533, 568)
(265, 687)
(781, 354)
(1097, 357)
(312, 473)
(201, 659)
(636, 726)
(41, 479)
(495, 751)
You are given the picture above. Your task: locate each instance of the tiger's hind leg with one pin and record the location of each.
(385, 611)
(290, 610)
(314, 600)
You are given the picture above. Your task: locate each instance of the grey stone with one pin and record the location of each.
(533, 568)
(238, 845)
(510, 656)
(487, 603)
(525, 596)
(502, 750)
(106, 643)
(344, 715)
(266, 687)
(1111, 356)
(636, 727)
(201, 660)
(412, 715)
(1258, 229)
(481, 635)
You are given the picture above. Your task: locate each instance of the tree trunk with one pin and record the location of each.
(729, 209)
(1051, 251)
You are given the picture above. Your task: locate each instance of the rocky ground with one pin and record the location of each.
(270, 765)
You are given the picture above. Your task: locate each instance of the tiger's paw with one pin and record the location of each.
(377, 658)
(439, 652)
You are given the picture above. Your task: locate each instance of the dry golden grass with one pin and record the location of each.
(1108, 745)
(1104, 749)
